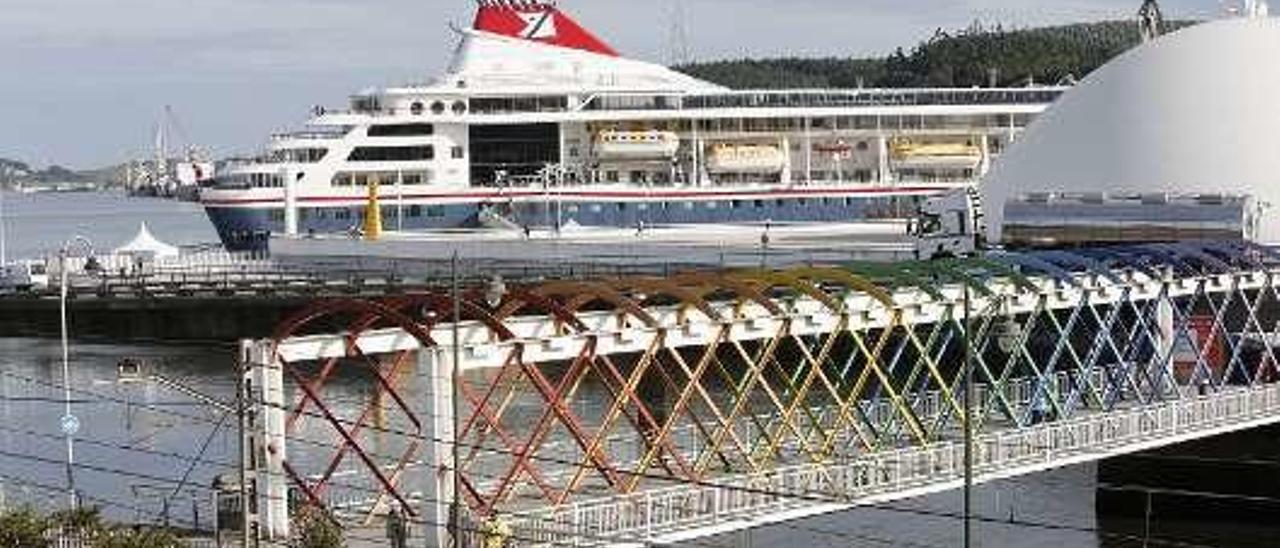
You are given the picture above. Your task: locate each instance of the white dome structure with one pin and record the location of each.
(1194, 112)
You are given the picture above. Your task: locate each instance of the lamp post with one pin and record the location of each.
(69, 423)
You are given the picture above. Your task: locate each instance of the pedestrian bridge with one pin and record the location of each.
(658, 410)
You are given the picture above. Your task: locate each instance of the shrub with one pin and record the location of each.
(22, 528)
(137, 537)
(313, 528)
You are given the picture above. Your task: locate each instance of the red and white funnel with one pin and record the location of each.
(537, 21)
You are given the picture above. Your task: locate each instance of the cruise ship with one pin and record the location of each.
(539, 124)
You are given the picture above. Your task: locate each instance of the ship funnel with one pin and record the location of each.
(537, 21)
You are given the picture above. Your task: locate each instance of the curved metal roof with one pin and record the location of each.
(1194, 112)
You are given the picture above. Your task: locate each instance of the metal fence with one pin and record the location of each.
(882, 476)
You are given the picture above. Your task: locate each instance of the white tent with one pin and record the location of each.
(147, 246)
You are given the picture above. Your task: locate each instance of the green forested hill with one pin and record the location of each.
(960, 59)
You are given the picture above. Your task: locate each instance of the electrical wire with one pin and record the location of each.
(809, 497)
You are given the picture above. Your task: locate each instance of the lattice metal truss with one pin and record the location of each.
(599, 388)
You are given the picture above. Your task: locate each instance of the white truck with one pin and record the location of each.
(949, 225)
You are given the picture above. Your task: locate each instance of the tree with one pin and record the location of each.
(22, 528)
(137, 537)
(84, 521)
(964, 58)
(314, 528)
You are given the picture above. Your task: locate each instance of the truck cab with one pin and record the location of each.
(948, 225)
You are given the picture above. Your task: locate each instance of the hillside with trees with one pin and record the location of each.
(976, 56)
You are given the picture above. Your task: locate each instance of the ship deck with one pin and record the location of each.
(659, 248)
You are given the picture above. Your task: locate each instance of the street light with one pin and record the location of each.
(69, 423)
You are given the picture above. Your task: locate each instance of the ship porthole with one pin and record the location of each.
(459, 108)
(437, 108)
(416, 108)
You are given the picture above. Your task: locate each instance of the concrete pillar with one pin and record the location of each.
(436, 366)
(266, 380)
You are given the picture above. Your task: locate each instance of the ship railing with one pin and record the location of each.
(818, 98)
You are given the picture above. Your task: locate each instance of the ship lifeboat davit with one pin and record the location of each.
(741, 158)
(636, 145)
(948, 154)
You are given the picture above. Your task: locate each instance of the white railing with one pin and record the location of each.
(902, 472)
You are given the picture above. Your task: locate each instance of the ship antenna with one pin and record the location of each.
(678, 35)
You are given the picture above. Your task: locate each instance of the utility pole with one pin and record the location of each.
(456, 515)
(968, 422)
(244, 471)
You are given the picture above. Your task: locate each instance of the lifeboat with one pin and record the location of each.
(636, 145)
(738, 158)
(953, 154)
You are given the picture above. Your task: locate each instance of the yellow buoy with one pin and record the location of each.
(373, 213)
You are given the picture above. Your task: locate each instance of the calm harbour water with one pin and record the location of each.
(136, 438)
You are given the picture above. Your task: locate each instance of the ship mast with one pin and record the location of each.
(1150, 21)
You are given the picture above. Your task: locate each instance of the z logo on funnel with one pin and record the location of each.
(539, 26)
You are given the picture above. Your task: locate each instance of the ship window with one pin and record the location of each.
(392, 154)
(416, 108)
(411, 178)
(596, 208)
(342, 179)
(435, 211)
(737, 204)
(622, 206)
(611, 176)
(458, 153)
(712, 205)
(573, 208)
(415, 211)
(401, 130)
(459, 108)
(688, 205)
(277, 215)
(342, 214)
(437, 108)
(642, 207)
(759, 204)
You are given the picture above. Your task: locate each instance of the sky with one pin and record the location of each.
(84, 82)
